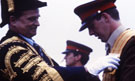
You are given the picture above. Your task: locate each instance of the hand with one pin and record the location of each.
(109, 61)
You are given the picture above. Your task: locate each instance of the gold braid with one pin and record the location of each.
(10, 5)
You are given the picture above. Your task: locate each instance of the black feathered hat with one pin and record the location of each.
(12, 6)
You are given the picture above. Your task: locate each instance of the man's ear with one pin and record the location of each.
(78, 57)
(12, 20)
(106, 17)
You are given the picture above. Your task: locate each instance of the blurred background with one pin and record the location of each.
(58, 23)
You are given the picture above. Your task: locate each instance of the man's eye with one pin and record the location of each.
(33, 19)
(91, 25)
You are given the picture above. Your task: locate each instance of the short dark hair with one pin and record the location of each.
(15, 14)
(84, 58)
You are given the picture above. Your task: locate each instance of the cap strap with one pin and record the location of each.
(10, 5)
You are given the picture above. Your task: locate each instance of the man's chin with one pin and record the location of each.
(103, 40)
(31, 35)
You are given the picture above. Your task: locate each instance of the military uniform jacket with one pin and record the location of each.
(19, 61)
(126, 70)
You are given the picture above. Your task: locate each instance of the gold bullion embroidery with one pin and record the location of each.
(51, 71)
(41, 68)
(13, 50)
(10, 5)
(16, 39)
(25, 57)
(32, 62)
(37, 73)
(55, 76)
(45, 77)
(48, 57)
(13, 39)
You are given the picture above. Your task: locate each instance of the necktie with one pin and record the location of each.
(107, 49)
(41, 53)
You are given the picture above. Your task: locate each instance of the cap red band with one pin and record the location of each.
(77, 49)
(101, 8)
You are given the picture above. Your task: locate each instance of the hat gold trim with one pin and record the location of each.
(10, 5)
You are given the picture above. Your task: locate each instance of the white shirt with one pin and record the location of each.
(115, 35)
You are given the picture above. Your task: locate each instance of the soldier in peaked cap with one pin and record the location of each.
(101, 18)
(21, 59)
(76, 54)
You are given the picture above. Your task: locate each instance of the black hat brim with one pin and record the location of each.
(84, 26)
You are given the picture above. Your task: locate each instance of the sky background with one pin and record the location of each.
(58, 23)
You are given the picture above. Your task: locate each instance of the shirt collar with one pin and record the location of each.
(115, 35)
(30, 41)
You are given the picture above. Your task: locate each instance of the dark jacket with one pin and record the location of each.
(126, 70)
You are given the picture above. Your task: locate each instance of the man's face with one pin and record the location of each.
(70, 59)
(27, 24)
(99, 28)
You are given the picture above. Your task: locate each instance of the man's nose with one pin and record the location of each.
(65, 57)
(37, 23)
